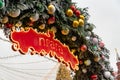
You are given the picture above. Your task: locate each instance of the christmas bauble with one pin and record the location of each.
(54, 29)
(94, 77)
(34, 17)
(87, 62)
(101, 44)
(74, 38)
(42, 26)
(51, 20)
(95, 40)
(73, 8)
(81, 22)
(96, 59)
(82, 17)
(83, 48)
(77, 13)
(107, 74)
(4, 19)
(9, 25)
(14, 12)
(51, 9)
(65, 31)
(84, 70)
(18, 24)
(80, 62)
(2, 4)
(69, 12)
(75, 23)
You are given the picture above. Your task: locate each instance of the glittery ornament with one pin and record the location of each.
(107, 74)
(34, 17)
(18, 24)
(65, 31)
(87, 62)
(4, 19)
(54, 29)
(42, 26)
(13, 12)
(51, 9)
(73, 38)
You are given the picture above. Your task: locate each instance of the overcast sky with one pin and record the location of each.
(105, 14)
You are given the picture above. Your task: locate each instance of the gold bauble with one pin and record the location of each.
(4, 19)
(42, 26)
(69, 12)
(51, 9)
(75, 23)
(65, 31)
(81, 22)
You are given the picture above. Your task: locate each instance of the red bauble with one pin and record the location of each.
(80, 62)
(73, 8)
(83, 48)
(94, 77)
(77, 13)
(51, 20)
(8, 25)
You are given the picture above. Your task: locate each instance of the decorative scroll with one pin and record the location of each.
(43, 43)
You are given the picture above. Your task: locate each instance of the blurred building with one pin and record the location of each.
(118, 66)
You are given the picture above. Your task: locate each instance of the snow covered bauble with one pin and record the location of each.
(2, 4)
(107, 74)
(51, 9)
(4, 19)
(34, 17)
(13, 12)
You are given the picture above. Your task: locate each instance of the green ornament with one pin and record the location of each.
(2, 4)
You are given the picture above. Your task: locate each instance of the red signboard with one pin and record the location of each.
(43, 43)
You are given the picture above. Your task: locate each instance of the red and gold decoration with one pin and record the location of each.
(43, 44)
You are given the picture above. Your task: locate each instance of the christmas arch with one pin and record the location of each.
(58, 28)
